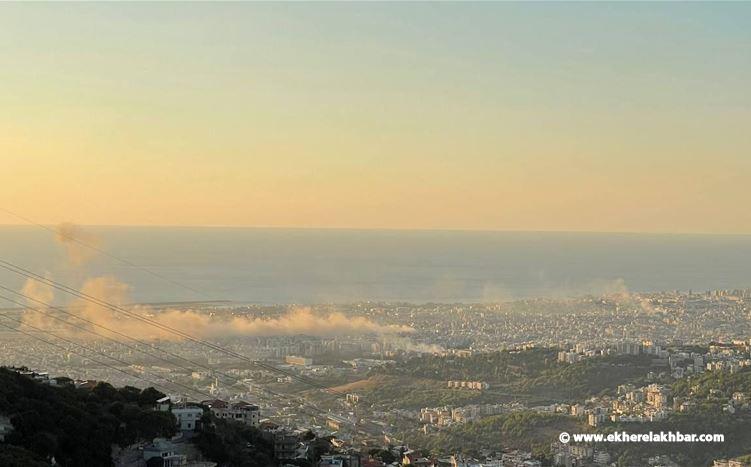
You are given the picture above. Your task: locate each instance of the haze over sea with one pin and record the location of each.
(321, 266)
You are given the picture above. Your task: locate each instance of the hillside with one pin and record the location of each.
(525, 430)
(75, 426)
(532, 375)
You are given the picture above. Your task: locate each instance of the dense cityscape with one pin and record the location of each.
(579, 364)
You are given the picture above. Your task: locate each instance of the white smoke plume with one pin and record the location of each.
(80, 246)
(201, 325)
(618, 291)
(408, 345)
(39, 296)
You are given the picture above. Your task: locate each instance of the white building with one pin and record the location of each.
(243, 412)
(164, 450)
(163, 404)
(187, 417)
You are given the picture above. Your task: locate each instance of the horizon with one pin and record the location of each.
(341, 266)
(382, 229)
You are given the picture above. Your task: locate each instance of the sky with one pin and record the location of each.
(628, 117)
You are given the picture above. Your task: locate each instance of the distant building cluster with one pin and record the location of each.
(239, 411)
(568, 455)
(476, 385)
(301, 361)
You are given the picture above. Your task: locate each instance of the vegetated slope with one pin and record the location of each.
(522, 430)
(529, 374)
(75, 426)
(495, 367)
(589, 377)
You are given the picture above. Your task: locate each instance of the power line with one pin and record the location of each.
(124, 261)
(103, 252)
(105, 364)
(101, 326)
(132, 347)
(62, 287)
(69, 290)
(104, 355)
(85, 329)
(153, 383)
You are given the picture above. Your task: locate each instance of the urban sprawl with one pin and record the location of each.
(635, 361)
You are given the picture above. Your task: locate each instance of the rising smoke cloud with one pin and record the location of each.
(80, 246)
(99, 318)
(296, 322)
(618, 290)
(38, 292)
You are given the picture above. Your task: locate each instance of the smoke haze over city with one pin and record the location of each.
(375, 234)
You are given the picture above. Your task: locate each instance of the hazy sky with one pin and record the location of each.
(539, 116)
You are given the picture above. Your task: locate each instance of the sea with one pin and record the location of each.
(316, 266)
